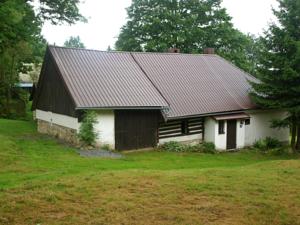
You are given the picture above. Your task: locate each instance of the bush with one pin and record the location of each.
(208, 147)
(174, 146)
(87, 133)
(267, 144)
(272, 143)
(106, 147)
(259, 144)
(279, 151)
(16, 109)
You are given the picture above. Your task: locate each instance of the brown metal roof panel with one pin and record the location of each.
(105, 79)
(196, 84)
(190, 84)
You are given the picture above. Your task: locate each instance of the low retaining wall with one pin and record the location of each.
(64, 133)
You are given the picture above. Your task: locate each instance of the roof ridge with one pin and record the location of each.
(130, 52)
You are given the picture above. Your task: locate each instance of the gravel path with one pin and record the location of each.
(100, 154)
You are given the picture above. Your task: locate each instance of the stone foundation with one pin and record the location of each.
(64, 133)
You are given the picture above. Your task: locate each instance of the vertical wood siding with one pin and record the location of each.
(136, 129)
(51, 94)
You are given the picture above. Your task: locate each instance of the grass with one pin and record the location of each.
(45, 182)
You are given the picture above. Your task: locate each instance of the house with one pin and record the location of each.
(146, 99)
(25, 83)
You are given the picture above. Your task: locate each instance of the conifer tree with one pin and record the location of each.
(279, 69)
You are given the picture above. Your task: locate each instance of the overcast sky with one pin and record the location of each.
(106, 17)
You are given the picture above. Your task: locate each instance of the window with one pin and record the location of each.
(247, 122)
(221, 127)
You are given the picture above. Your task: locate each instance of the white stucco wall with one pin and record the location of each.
(59, 119)
(209, 129)
(246, 135)
(188, 138)
(211, 133)
(220, 139)
(105, 127)
(259, 127)
(240, 133)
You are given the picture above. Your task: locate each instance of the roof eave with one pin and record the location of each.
(119, 107)
(209, 114)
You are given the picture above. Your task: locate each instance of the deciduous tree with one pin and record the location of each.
(190, 25)
(21, 40)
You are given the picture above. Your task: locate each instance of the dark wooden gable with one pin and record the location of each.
(52, 93)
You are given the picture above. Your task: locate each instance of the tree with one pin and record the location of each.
(21, 40)
(74, 42)
(190, 25)
(21, 34)
(279, 70)
(59, 12)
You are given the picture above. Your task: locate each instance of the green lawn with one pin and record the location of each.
(45, 182)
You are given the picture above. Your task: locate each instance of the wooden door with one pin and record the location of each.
(136, 129)
(231, 134)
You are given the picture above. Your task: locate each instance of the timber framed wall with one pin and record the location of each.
(181, 130)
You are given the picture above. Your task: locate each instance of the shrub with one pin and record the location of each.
(280, 151)
(208, 147)
(193, 148)
(16, 107)
(174, 146)
(259, 144)
(272, 143)
(267, 144)
(87, 133)
(106, 147)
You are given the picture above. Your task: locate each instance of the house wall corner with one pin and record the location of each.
(105, 128)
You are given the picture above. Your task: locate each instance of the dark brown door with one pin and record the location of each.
(231, 134)
(136, 129)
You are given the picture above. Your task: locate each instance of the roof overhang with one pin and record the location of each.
(212, 114)
(232, 116)
(118, 107)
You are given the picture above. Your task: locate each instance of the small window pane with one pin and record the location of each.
(247, 122)
(221, 127)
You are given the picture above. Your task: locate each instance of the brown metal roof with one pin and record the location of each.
(99, 79)
(190, 84)
(196, 84)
